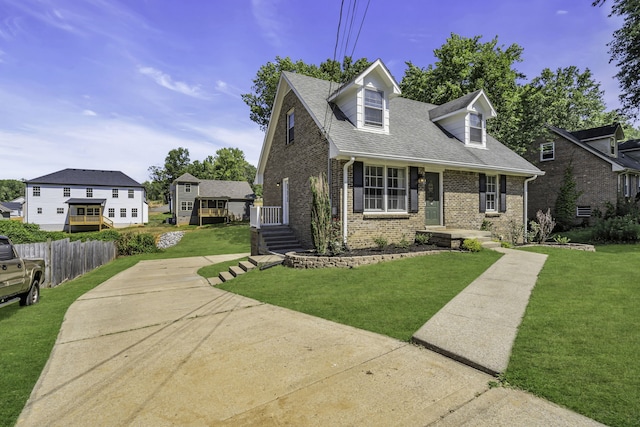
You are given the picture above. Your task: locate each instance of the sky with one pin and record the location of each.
(116, 85)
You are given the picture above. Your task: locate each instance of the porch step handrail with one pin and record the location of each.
(265, 215)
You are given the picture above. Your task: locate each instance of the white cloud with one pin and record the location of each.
(266, 15)
(89, 113)
(166, 81)
(226, 88)
(562, 12)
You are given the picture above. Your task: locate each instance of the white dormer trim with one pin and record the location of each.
(358, 82)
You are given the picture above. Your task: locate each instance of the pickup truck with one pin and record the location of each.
(19, 278)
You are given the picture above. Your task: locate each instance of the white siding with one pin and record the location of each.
(52, 197)
(456, 126)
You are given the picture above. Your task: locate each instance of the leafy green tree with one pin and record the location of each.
(625, 52)
(567, 98)
(464, 65)
(565, 208)
(11, 189)
(261, 100)
(229, 164)
(175, 164)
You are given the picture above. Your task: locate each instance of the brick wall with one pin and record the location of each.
(462, 203)
(298, 161)
(593, 175)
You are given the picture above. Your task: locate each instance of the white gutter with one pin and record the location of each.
(345, 199)
(526, 204)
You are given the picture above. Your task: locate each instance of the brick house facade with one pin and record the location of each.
(403, 161)
(602, 173)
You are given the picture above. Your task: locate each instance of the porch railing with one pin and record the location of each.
(265, 216)
(212, 212)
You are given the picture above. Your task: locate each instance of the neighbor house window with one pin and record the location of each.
(290, 126)
(36, 191)
(89, 192)
(93, 211)
(547, 151)
(612, 146)
(39, 210)
(373, 103)
(60, 211)
(66, 192)
(187, 188)
(114, 193)
(385, 189)
(123, 212)
(80, 211)
(475, 127)
(624, 185)
(186, 206)
(131, 194)
(134, 212)
(492, 187)
(111, 213)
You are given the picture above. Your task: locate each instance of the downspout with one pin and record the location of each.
(345, 199)
(526, 204)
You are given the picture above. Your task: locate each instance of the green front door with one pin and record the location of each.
(432, 194)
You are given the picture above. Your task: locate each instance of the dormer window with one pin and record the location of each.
(373, 108)
(612, 147)
(475, 127)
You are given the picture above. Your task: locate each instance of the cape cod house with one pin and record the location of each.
(394, 166)
(83, 200)
(603, 169)
(204, 201)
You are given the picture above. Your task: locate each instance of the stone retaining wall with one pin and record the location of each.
(305, 261)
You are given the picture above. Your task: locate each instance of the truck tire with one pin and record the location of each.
(33, 296)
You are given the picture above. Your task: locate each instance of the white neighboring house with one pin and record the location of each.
(83, 200)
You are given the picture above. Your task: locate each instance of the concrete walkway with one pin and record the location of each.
(479, 326)
(157, 346)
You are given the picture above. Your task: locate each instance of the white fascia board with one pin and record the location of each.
(444, 163)
(492, 111)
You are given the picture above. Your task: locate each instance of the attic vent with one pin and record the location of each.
(583, 211)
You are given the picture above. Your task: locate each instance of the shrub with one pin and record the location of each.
(472, 245)
(380, 242)
(136, 243)
(565, 209)
(563, 240)
(515, 231)
(541, 229)
(423, 238)
(321, 227)
(617, 229)
(403, 243)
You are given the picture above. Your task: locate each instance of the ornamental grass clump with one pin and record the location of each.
(324, 231)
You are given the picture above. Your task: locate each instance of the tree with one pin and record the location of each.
(625, 51)
(464, 65)
(175, 164)
(261, 100)
(567, 98)
(565, 209)
(11, 189)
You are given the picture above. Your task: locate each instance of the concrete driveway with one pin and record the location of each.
(157, 346)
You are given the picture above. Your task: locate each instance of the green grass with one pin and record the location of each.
(578, 344)
(27, 334)
(393, 298)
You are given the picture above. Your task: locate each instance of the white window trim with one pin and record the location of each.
(482, 128)
(373, 125)
(385, 190)
(495, 193)
(542, 151)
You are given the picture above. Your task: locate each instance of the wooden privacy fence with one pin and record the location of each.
(65, 260)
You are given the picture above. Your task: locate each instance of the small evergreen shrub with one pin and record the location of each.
(471, 245)
(380, 242)
(617, 230)
(422, 238)
(403, 243)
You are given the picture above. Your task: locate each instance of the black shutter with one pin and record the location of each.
(413, 189)
(503, 193)
(358, 187)
(483, 192)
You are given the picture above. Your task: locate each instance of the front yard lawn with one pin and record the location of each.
(579, 342)
(392, 298)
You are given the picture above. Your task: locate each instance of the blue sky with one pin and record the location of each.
(107, 84)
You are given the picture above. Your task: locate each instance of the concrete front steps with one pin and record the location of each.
(453, 238)
(255, 261)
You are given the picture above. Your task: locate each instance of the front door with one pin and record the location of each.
(285, 201)
(432, 194)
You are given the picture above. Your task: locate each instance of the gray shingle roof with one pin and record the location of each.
(452, 106)
(622, 160)
(186, 177)
(412, 137)
(237, 190)
(87, 177)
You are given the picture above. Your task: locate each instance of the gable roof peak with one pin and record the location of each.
(377, 67)
(464, 103)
